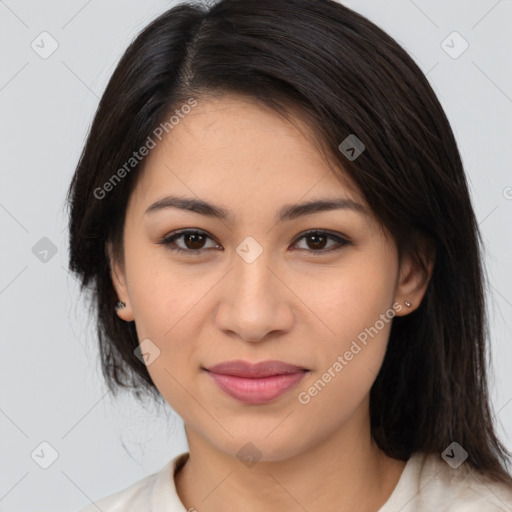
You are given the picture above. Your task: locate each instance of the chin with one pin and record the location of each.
(251, 448)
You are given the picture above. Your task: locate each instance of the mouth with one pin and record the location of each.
(257, 383)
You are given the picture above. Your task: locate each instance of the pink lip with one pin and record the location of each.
(255, 383)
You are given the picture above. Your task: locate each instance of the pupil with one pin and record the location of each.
(316, 237)
(191, 236)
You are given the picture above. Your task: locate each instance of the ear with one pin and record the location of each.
(118, 276)
(415, 273)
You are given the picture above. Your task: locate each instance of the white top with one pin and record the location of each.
(427, 484)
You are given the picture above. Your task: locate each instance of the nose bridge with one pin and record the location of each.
(254, 302)
(251, 273)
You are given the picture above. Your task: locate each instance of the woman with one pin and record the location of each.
(273, 216)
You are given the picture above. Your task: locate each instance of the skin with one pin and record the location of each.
(292, 304)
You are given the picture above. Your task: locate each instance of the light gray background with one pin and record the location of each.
(51, 387)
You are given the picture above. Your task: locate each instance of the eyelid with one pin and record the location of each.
(342, 240)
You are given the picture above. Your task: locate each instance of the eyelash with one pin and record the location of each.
(169, 239)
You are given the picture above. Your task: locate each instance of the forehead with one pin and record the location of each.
(230, 148)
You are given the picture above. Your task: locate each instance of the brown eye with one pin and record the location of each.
(192, 241)
(317, 240)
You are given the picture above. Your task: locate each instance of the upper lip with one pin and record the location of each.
(241, 368)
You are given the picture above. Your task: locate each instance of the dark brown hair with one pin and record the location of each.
(346, 76)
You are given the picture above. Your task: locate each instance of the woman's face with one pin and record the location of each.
(252, 286)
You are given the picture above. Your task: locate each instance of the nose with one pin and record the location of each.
(255, 301)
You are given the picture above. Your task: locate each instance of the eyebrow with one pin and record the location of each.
(287, 212)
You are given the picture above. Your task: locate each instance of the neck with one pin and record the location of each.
(346, 471)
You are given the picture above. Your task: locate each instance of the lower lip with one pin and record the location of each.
(256, 391)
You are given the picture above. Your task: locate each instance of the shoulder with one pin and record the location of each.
(136, 496)
(429, 483)
(145, 494)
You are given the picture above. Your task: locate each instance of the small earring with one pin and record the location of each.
(407, 303)
(120, 304)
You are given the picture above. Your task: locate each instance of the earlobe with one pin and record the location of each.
(415, 273)
(117, 274)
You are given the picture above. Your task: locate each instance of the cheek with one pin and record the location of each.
(341, 383)
(166, 299)
(357, 315)
(162, 292)
(349, 298)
